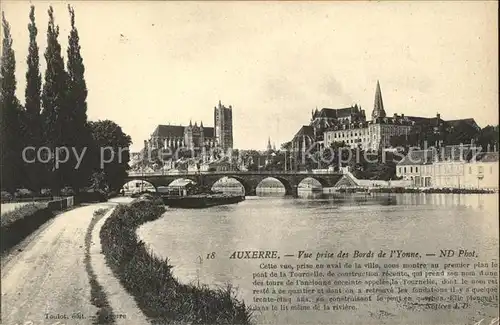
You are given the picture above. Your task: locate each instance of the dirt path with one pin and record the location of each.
(47, 281)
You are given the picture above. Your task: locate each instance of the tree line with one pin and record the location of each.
(53, 116)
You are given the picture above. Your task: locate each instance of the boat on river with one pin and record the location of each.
(204, 200)
(196, 197)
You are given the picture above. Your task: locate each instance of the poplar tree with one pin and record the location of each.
(54, 113)
(10, 131)
(77, 105)
(32, 119)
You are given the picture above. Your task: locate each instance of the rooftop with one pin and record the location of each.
(418, 157)
(177, 131)
(337, 112)
(306, 130)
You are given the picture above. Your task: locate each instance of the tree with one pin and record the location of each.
(32, 117)
(10, 128)
(461, 132)
(488, 138)
(110, 152)
(54, 114)
(287, 146)
(78, 135)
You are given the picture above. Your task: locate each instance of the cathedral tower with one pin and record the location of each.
(223, 126)
(378, 106)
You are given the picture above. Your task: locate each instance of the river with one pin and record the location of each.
(422, 223)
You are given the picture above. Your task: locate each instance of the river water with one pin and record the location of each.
(422, 223)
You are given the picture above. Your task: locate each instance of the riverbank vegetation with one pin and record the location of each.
(149, 279)
(21, 222)
(98, 297)
(431, 190)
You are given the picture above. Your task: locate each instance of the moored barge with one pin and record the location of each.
(204, 200)
(196, 197)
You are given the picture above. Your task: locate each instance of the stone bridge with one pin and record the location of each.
(249, 180)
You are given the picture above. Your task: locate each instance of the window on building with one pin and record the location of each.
(491, 169)
(480, 169)
(411, 169)
(400, 170)
(416, 169)
(470, 170)
(405, 170)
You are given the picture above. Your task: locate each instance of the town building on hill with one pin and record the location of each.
(350, 126)
(196, 137)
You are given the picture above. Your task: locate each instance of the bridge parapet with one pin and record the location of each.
(145, 174)
(249, 179)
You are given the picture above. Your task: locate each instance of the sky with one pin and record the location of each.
(150, 63)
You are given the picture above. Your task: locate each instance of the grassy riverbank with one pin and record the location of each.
(98, 297)
(149, 279)
(430, 190)
(21, 222)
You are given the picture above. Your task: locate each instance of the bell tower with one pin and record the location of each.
(378, 106)
(223, 126)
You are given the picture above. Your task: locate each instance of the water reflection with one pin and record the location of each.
(270, 191)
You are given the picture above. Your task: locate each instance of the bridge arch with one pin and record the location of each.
(138, 185)
(277, 180)
(310, 182)
(231, 182)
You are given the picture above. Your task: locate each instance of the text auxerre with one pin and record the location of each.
(253, 254)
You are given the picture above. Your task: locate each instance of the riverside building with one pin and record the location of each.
(460, 166)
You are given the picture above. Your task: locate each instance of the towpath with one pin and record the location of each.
(47, 281)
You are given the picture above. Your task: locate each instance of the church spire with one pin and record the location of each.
(378, 106)
(269, 144)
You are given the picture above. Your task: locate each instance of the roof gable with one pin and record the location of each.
(166, 131)
(466, 121)
(338, 112)
(417, 157)
(177, 131)
(306, 130)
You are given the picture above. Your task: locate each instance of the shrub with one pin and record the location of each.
(19, 223)
(20, 213)
(91, 196)
(6, 196)
(24, 193)
(45, 192)
(100, 212)
(67, 191)
(149, 279)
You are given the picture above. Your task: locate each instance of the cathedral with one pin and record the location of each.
(196, 137)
